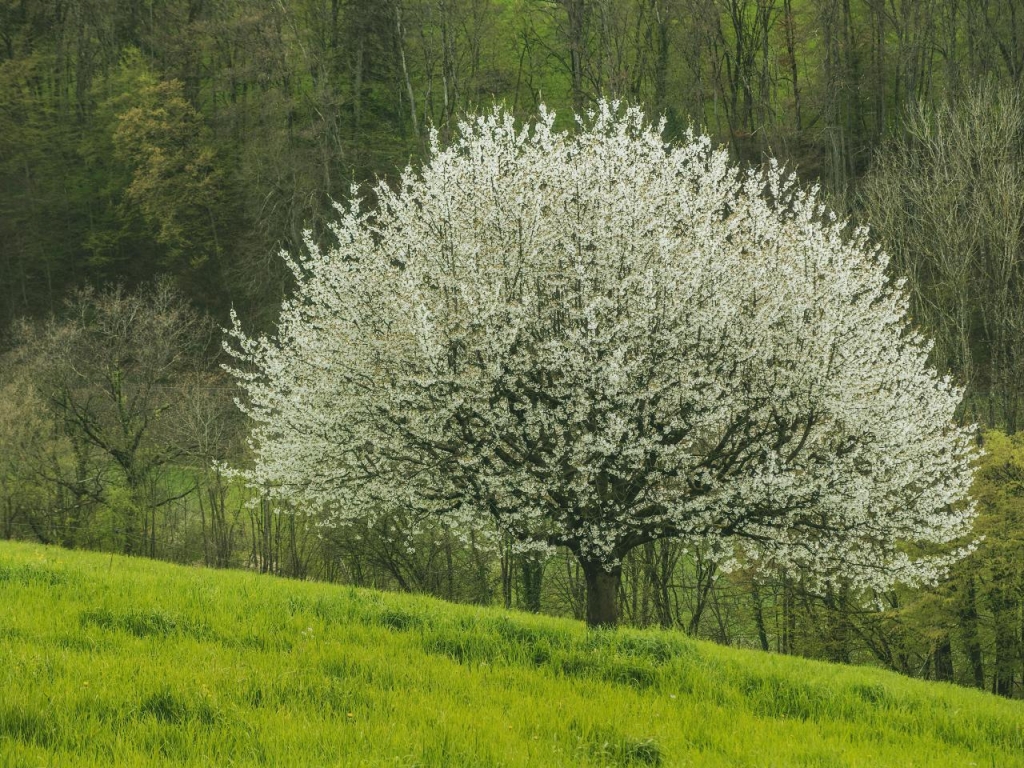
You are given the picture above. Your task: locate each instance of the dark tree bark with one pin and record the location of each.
(532, 570)
(791, 58)
(762, 631)
(942, 659)
(576, 11)
(660, 563)
(969, 627)
(1005, 637)
(836, 630)
(602, 593)
(705, 575)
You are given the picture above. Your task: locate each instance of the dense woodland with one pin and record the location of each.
(156, 156)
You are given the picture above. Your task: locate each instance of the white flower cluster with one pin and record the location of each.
(597, 340)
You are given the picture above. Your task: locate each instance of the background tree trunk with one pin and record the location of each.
(942, 658)
(532, 569)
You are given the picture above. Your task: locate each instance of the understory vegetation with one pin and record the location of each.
(108, 660)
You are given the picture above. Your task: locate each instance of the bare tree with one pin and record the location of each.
(114, 373)
(945, 198)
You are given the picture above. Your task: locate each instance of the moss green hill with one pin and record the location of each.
(112, 661)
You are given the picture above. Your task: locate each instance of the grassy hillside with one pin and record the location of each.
(112, 661)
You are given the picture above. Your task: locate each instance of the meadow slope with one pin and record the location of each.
(109, 661)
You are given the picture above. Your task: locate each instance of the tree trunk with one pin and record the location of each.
(942, 658)
(1003, 611)
(134, 540)
(762, 631)
(533, 579)
(788, 616)
(602, 594)
(400, 43)
(702, 589)
(791, 57)
(506, 574)
(576, 11)
(836, 627)
(660, 563)
(968, 611)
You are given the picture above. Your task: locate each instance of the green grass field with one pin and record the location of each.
(113, 661)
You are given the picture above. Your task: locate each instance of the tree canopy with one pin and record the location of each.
(598, 340)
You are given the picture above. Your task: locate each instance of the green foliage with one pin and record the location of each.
(999, 489)
(143, 663)
(174, 181)
(994, 576)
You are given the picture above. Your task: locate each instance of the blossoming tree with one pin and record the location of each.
(597, 340)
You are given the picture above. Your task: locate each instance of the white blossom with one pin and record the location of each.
(595, 340)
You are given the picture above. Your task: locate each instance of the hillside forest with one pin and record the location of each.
(157, 156)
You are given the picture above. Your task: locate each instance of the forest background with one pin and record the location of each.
(155, 157)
